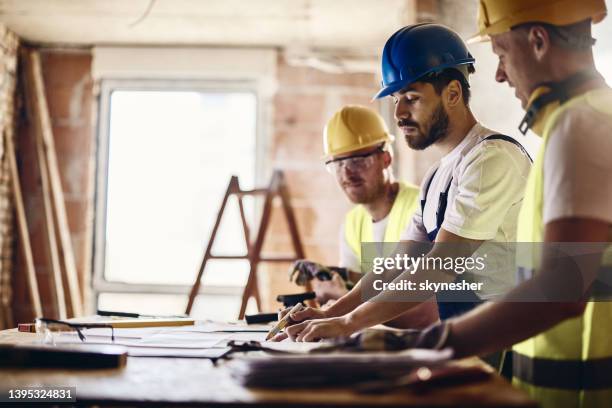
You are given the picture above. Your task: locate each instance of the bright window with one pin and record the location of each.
(167, 152)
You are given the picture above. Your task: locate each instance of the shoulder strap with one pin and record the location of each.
(510, 140)
(424, 198)
(442, 202)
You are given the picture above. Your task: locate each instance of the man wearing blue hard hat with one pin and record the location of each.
(470, 197)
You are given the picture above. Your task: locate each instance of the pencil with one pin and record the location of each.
(284, 321)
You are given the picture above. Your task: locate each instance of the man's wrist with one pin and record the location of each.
(452, 341)
(330, 311)
(352, 322)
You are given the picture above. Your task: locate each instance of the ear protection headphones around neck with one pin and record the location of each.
(549, 92)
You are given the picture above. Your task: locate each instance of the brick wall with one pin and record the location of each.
(69, 90)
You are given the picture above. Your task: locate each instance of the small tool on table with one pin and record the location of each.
(261, 318)
(284, 321)
(108, 313)
(293, 299)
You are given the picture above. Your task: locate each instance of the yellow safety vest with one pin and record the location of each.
(358, 223)
(569, 365)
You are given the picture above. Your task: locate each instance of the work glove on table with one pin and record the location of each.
(433, 337)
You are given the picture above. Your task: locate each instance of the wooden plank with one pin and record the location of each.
(53, 250)
(24, 236)
(41, 115)
(55, 277)
(127, 323)
(51, 241)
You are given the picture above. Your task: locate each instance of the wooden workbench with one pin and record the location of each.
(177, 381)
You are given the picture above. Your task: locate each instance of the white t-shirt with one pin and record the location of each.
(348, 257)
(484, 199)
(578, 166)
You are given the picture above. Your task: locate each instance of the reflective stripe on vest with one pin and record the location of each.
(570, 364)
(566, 374)
(358, 223)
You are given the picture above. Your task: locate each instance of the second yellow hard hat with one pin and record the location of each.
(499, 16)
(352, 128)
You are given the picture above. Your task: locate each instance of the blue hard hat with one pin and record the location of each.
(418, 50)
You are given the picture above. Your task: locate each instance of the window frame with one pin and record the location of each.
(106, 88)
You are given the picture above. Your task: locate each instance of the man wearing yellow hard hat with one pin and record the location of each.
(563, 349)
(357, 147)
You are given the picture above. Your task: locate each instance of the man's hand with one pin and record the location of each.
(297, 317)
(303, 271)
(328, 282)
(306, 313)
(315, 330)
(329, 290)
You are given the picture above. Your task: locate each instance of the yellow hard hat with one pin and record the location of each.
(499, 16)
(352, 128)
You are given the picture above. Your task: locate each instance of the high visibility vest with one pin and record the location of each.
(358, 222)
(569, 365)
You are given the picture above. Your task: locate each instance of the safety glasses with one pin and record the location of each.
(354, 163)
(50, 327)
